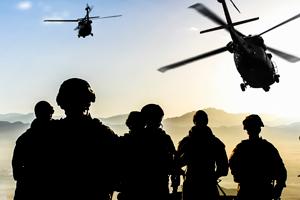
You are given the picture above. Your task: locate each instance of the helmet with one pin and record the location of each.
(252, 121)
(76, 92)
(152, 114)
(200, 118)
(152, 111)
(135, 120)
(43, 109)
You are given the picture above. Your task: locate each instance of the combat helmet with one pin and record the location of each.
(135, 121)
(200, 118)
(152, 114)
(252, 121)
(75, 92)
(43, 110)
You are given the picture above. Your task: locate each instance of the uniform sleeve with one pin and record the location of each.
(18, 159)
(171, 151)
(280, 172)
(181, 154)
(221, 161)
(234, 163)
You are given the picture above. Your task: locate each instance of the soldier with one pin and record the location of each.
(26, 161)
(81, 156)
(149, 156)
(160, 153)
(206, 160)
(130, 156)
(256, 165)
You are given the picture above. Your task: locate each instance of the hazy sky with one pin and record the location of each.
(120, 62)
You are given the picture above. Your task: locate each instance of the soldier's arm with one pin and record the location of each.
(234, 164)
(280, 176)
(18, 161)
(222, 162)
(280, 170)
(181, 155)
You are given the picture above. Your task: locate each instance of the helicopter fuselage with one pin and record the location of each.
(84, 28)
(253, 63)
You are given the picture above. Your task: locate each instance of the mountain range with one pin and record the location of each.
(218, 119)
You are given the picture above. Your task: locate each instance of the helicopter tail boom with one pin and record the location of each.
(226, 26)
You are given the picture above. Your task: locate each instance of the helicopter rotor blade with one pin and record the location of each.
(95, 17)
(283, 55)
(192, 59)
(208, 13)
(282, 23)
(235, 6)
(109, 16)
(211, 15)
(61, 20)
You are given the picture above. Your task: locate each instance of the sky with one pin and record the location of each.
(121, 60)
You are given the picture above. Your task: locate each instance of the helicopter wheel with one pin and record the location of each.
(266, 89)
(243, 87)
(92, 34)
(276, 78)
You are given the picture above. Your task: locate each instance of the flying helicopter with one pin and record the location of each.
(84, 26)
(251, 56)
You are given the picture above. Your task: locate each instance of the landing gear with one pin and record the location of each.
(92, 34)
(276, 78)
(78, 36)
(266, 88)
(243, 86)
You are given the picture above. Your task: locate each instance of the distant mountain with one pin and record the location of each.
(17, 117)
(115, 120)
(216, 117)
(219, 118)
(15, 127)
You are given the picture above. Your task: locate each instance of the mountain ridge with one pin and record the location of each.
(217, 117)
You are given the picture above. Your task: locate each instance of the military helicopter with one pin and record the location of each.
(84, 26)
(252, 61)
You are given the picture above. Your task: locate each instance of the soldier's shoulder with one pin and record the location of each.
(165, 135)
(184, 140)
(102, 127)
(267, 144)
(240, 146)
(183, 143)
(218, 142)
(24, 136)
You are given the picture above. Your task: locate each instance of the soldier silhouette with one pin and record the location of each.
(129, 144)
(256, 165)
(81, 155)
(26, 162)
(206, 160)
(149, 156)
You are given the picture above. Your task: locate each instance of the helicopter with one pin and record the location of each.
(84, 26)
(251, 58)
